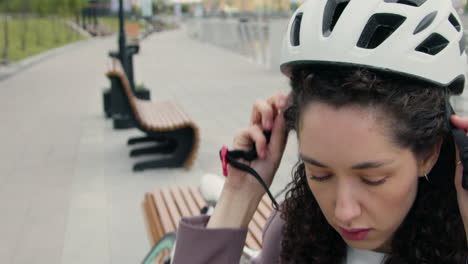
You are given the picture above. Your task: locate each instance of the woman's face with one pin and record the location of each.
(363, 182)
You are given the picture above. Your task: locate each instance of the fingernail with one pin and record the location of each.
(268, 124)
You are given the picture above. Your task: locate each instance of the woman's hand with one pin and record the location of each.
(242, 192)
(462, 194)
(266, 116)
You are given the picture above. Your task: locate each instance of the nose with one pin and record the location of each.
(347, 207)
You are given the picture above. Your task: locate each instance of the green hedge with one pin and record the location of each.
(42, 34)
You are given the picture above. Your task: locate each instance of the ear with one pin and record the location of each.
(426, 164)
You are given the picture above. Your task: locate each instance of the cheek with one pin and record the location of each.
(397, 197)
(387, 206)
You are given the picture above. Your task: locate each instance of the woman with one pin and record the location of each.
(378, 178)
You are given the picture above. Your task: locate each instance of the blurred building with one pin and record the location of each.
(184, 1)
(97, 7)
(256, 5)
(459, 5)
(250, 5)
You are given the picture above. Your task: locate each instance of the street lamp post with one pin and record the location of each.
(95, 14)
(114, 101)
(122, 39)
(6, 41)
(126, 52)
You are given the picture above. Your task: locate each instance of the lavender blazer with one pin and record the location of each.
(198, 245)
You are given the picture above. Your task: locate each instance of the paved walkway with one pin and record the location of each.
(67, 192)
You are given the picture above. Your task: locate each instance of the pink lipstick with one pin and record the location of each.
(355, 234)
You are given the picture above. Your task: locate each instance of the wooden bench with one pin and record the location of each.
(164, 207)
(164, 122)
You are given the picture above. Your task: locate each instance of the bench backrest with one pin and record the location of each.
(165, 115)
(117, 71)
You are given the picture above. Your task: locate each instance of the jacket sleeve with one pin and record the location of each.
(271, 240)
(198, 245)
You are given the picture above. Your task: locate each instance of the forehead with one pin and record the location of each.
(326, 132)
(319, 116)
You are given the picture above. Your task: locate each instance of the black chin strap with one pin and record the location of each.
(461, 140)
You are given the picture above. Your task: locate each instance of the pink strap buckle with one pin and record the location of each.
(223, 155)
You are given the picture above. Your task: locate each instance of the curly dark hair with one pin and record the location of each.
(415, 116)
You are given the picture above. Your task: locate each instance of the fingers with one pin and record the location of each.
(280, 101)
(278, 137)
(460, 122)
(252, 135)
(264, 112)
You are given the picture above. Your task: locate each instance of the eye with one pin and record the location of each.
(320, 178)
(373, 183)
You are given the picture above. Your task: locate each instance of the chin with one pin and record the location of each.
(366, 244)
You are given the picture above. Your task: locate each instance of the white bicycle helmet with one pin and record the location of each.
(418, 38)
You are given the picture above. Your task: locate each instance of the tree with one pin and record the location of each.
(41, 9)
(14, 6)
(4, 6)
(75, 7)
(55, 9)
(9, 7)
(25, 7)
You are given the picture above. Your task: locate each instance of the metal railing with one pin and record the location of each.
(258, 40)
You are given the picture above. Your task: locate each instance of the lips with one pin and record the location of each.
(355, 234)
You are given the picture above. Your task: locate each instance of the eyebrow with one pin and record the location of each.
(360, 166)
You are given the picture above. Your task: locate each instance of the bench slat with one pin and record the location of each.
(193, 207)
(151, 219)
(267, 201)
(258, 224)
(260, 219)
(250, 242)
(163, 211)
(183, 209)
(198, 197)
(166, 206)
(171, 205)
(264, 209)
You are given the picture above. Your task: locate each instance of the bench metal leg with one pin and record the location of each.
(136, 140)
(123, 122)
(106, 98)
(184, 142)
(164, 148)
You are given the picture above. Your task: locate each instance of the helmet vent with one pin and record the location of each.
(378, 29)
(453, 20)
(295, 30)
(427, 21)
(462, 44)
(434, 44)
(332, 13)
(457, 86)
(407, 2)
